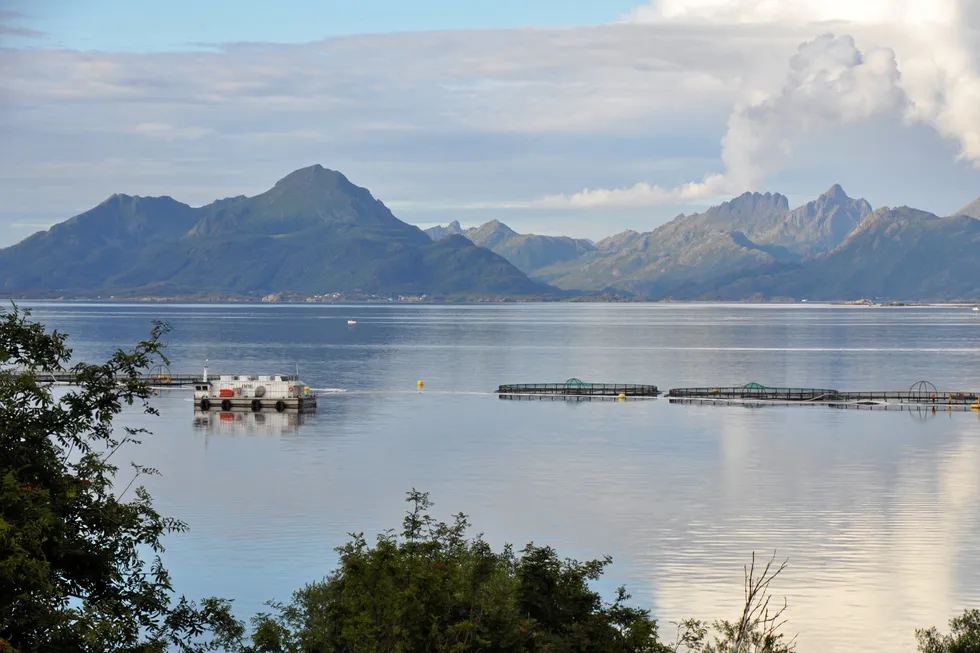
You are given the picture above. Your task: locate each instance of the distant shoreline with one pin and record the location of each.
(505, 300)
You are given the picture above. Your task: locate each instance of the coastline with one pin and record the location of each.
(402, 300)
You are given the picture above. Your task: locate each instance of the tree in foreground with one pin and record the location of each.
(964, 636)
(434, 589)
(80, 568)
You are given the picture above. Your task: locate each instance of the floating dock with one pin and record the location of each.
(578, 388)
(152, 380)
(921, 393)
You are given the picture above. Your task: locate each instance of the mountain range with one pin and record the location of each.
(833, 248)
(528, 252)
(315, 232)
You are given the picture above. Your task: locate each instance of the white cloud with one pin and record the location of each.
(830, 83)
(641, 194)
(938, 52)
(876, 12)
(475, 121)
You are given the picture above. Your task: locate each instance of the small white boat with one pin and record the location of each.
(976, 308)
(351, 322)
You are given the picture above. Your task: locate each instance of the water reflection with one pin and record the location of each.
(248, 423)
(877, 507)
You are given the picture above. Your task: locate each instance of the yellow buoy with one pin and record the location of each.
(622, 397)
(420, 384)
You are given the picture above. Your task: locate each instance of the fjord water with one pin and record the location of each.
(878, 512)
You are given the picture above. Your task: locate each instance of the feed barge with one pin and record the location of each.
(578, 388)
(921, 393)
(255, 393)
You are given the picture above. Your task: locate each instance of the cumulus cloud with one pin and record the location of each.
(939, 52)
(830, 83)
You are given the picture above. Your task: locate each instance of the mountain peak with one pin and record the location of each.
(117, 197)
(835, 192)
(618, 242)
(439, 232)
(972, 210)
(749, 208)
(313, 175)
(495, 227)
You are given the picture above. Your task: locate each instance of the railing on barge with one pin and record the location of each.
(576, 388)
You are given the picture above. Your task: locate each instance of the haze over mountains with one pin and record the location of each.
(315, 232)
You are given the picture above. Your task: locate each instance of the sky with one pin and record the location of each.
(581, 117)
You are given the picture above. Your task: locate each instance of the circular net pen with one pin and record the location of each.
(578, 388)
(755, 391)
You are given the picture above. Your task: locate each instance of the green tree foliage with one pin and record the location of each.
(80, 566)
(435, 589)
(964, 636)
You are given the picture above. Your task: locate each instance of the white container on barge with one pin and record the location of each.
(278, 392)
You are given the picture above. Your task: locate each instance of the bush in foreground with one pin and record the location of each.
(964, 636)
(435, 590)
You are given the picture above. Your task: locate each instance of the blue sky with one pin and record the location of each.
(141, 25)
(556, 117)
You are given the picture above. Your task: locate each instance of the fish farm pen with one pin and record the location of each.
(579, 388)
(564, 398)
(920, 408)
(920, 393)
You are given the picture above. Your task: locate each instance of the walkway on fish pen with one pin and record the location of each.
(919, 393)
(577, 387)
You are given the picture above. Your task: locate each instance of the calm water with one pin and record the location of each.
(878, 512)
